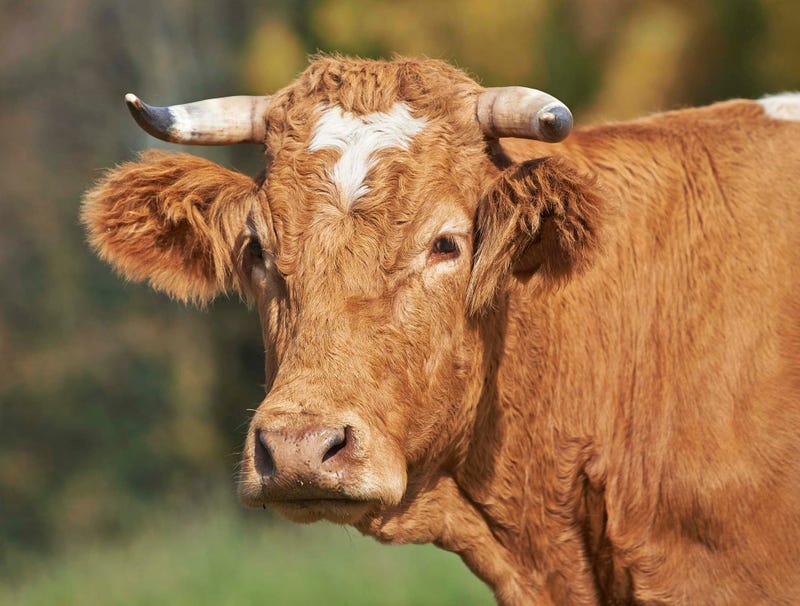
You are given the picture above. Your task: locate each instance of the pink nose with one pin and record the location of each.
(308, 463)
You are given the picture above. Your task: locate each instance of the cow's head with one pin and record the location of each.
(379, 240)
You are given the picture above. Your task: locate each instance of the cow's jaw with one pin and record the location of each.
(338, 511)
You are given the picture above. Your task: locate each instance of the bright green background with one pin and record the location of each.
(212, 556)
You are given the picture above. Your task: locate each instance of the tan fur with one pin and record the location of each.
(597, 402)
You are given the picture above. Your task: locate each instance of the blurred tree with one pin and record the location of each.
(108, 393)
(498, 41)
(644, 68)
(287, 57)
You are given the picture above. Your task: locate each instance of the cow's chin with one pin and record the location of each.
(338, 511)
(345, 507)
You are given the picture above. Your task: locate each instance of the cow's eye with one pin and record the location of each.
(444, 247)
(254, 246)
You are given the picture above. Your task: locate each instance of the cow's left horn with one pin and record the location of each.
(220, 121)
(515, 111)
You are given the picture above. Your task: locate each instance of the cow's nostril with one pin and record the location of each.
(265, 464)
(336, 443)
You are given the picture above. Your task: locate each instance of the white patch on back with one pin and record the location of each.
(785, 106)
(359, 138)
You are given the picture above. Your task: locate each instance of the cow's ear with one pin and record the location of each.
(174, 220)
(541, 216)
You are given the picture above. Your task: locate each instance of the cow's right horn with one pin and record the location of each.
(220, 121)
(515, 111)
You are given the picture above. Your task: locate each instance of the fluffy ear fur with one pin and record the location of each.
(173, 219)
(539, 216)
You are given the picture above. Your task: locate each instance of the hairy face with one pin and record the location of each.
(360, 278)
(380, 233)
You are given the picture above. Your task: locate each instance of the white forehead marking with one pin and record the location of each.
(359, 138)
(782, 107)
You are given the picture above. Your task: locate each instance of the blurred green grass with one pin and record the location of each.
(219, 555)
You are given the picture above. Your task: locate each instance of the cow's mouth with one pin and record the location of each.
(338, 510)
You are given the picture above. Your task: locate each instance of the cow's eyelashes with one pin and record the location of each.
(443, 248)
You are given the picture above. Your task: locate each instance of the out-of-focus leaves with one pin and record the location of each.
(778, 56)
(274, 56)
(496, 40)
(643, 72)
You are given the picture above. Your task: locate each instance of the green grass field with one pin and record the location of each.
(219, 556)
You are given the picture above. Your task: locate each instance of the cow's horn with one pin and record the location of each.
(220, 121)
(515, 111)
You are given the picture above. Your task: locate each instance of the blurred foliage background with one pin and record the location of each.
(121, 413)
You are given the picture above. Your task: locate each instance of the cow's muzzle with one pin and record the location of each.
(307, 468)
(304, 464)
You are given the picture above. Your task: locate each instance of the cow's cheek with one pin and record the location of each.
(383, 470)
(442, 373)
(275, 328)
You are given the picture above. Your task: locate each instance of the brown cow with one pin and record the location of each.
(577, 365)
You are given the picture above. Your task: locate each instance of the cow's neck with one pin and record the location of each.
(534, 470)
(440, 512)
(525, 509)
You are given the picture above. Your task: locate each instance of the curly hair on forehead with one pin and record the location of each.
(363, 86)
